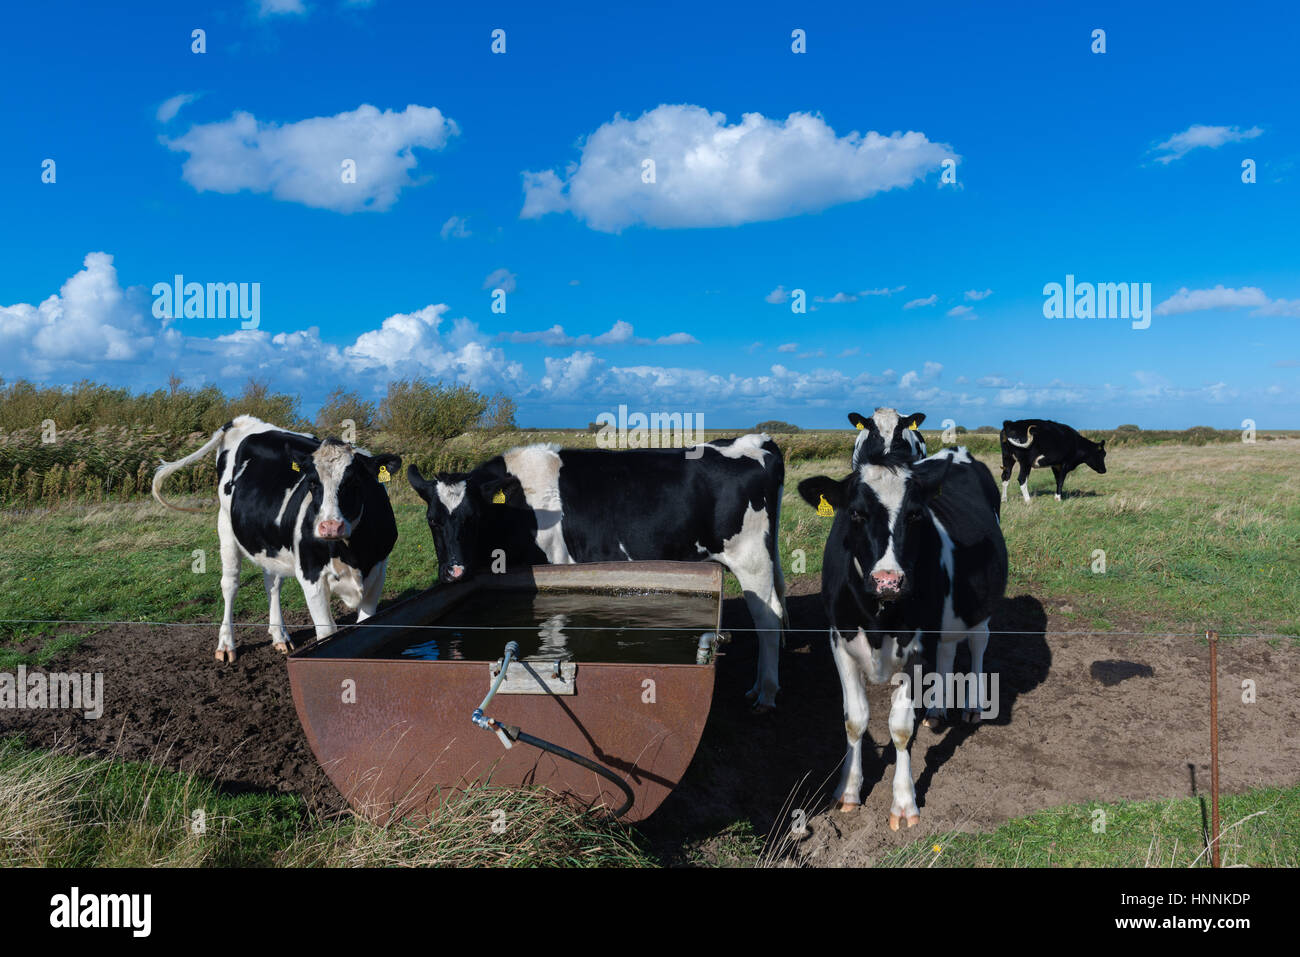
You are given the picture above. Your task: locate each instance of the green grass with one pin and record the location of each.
(1258, 829)
(57, 810)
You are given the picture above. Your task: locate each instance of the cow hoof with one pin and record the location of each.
(896, 819)
(934, 720)
(848, 807)
(972, 715)
(283, 647)
(760, 708)
(225, 655)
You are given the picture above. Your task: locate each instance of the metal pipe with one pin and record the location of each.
(1213, 639)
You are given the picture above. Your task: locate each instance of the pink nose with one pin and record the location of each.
(457, 571)
(329, 530)
(887, 581)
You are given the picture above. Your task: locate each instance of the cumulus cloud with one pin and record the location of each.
(1221, 297)
(455, 228)
(962, 312)
(777, 295)
(502, 279)
(620, 334)
(917, 303)
(974, 295)
(711, 173)
(303, 162)
(1194, 137)
(171, 106)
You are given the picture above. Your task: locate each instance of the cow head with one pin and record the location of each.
(456, 502)
(887, 437)
(1095, 458)
(336, 476)
(880, 516)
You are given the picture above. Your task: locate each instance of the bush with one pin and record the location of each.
(499, 416)
(987, 430)
(1128, 428)
(418, 412)
(342, 406)
(777, 427)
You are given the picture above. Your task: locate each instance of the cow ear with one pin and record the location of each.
(382, 467)
(298, 460)
(419, 483)
(502, 490)
(821, 488)
(914, 420)
(857, 421)
(929, 481)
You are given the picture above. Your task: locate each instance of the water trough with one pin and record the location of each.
(615, 663)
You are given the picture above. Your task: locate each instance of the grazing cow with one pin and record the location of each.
(887, 432)
(297, 506)
(914, 563)
(540, 504)
(1039, 442)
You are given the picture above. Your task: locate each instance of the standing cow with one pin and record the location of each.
(1039, 442)
(540, 504)
(297, 507)
(887, 432)
(914, 563)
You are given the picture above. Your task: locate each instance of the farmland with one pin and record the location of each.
(1195, 537)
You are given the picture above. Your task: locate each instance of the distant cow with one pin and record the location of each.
(541, 504)
(296, 506)
(1038, 442)
(887, 432)
(914, 563)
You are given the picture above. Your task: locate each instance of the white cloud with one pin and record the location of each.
(620, 334)
(927, 301)
(279, 8)
(1220, 297)
(1180, 144)
(839, 297)
(788, 347)
(455, 228)
(502, 279)
(884, 291)
(302, 162)
(777, 295)
(171, 106)
(974, 295)
(709, 173)
(962, 312)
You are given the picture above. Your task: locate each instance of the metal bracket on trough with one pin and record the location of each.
(536, 677)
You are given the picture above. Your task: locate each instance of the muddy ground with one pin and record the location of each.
(1080, 718)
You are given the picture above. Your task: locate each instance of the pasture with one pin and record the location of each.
(1194, 538)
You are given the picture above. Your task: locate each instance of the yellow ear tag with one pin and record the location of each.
(824, 507)
(499, 498)
(294, 466)
(912, 426)
(861, 426)
(383, 474)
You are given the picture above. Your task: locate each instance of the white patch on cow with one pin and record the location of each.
(960, 455)
(1029, 439)
(450, 495)
(1024, 489)
(279, 516)
(858, 567)
(345, 582)
(537, 467)
(747, 446)
(332, 460)
(889, 487)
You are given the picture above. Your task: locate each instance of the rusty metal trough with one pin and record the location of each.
(395, 735)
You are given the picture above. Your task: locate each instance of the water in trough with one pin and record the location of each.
(590, 626)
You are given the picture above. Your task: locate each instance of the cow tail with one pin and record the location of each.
(167, 468)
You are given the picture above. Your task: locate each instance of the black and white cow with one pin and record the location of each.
(914, 563)
(887, 432)
(540, 504)
(296, 506)
(1039, 442)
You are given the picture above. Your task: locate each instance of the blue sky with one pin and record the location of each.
(522, 172)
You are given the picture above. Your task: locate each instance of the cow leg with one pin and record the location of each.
(279, 637)
(1008, 460)
(317, 594)
(1059, 472)
(977, 639)
(856, 711)
(372, 588)
(757, 577)
(944, 655)
(902, 719)
(1023, 479)
(230, 564)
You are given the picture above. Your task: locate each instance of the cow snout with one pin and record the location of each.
(453, 573)
(887, 582)
(329, 529)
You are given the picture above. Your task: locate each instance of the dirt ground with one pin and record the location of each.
(1081, 718)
